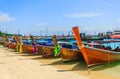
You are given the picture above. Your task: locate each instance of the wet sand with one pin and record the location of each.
(72, 69)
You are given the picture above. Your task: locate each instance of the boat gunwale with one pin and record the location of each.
(46, 46)
(106, 51)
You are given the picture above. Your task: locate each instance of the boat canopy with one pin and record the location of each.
(115, 36)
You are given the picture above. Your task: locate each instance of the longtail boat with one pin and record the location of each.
(10, 44)
(47, 51)
(67, 51)
(28, 48)
(69, 54)
(20, 47)
(94, 56)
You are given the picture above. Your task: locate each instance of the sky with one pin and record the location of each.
(48, 17)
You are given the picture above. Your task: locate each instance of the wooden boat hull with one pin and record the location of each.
(46, 51)
(99, 56)
(5, 44)
(94, 56)
(70, 54)
(1, 43)
(39, 49)
(28, 48)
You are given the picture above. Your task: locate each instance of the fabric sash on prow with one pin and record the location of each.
(19, 43)
(79, 41)
(57, 46)
(34, 42)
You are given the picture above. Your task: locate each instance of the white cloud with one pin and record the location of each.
(5, 17)
(83, 15)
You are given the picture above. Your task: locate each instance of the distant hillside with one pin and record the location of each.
(2, 34)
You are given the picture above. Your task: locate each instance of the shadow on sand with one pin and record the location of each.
(38, 58)
(28, 54)
(83, 67)
(105, 66)
(80, 65)
(60, 62)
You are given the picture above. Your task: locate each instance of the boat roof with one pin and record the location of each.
(63, 42)
(115, 36)
(107, 51)
(107, 41)
(93, 44)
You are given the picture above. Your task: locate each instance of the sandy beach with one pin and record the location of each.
(15, 65)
